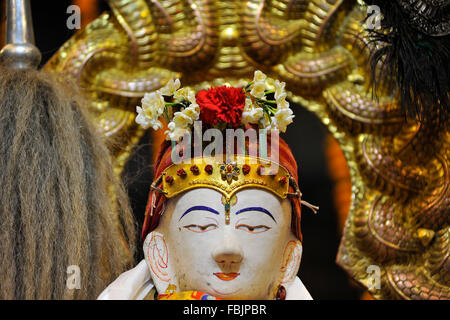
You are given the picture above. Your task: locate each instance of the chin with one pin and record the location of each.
(226, 294)
(237, 294)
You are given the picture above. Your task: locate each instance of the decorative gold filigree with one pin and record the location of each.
(181, 177)
(399, 217)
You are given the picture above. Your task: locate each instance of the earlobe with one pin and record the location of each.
(291, 261)
(157, 256)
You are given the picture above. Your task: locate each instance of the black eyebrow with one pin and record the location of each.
(202, 208)
(257, 209)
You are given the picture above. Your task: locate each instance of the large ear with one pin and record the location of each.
(291, 261)
(157, 258)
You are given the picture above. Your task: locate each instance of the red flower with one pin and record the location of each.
(221, 105)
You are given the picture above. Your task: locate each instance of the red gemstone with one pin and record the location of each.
(229, 168)
(182, 173)
(209, 168)
(246, 169)
(195, 170)
(283, 180)
(169, 179)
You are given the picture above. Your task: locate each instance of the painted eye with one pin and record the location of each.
(198, 228)
(253, 229)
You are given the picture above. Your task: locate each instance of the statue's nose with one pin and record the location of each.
(228, 251)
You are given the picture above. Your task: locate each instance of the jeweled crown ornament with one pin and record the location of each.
(225, 177)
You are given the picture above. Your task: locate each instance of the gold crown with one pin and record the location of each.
(227, 177)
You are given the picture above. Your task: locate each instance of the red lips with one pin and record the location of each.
(226, 276)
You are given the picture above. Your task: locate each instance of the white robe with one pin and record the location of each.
(136, 283)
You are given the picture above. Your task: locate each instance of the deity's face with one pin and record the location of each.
(194, 249)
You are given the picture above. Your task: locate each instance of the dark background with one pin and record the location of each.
(306, 137)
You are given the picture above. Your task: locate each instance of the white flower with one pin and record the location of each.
(193, 111)
(259, 84)
(171, 86)
(153, 104)
(185, 94)
(146, 122)
(265, 123)
(181, 120)
(186, 116)
(280, 92)
(258, 89)
(259, 76)
(152, 108)
(196, 107)
(175, 133)
(282, 104)
(283, 117)
(251, 114)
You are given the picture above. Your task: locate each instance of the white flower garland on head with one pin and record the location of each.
(268, 114)
(264, 113)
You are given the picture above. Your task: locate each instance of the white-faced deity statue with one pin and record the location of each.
(215, 227)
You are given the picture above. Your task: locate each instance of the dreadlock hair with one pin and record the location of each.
(61, 204)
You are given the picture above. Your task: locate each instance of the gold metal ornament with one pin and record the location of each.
(399, 168)
(178, 178)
